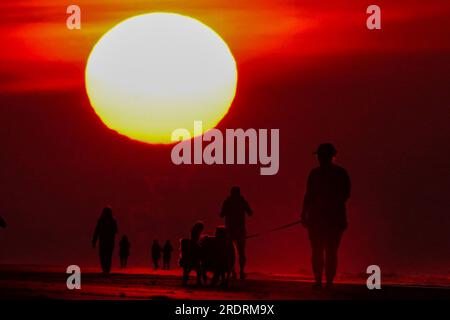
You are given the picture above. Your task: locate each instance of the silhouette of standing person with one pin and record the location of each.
(124, 251)
(156, 254)
(105, 233)
(324, 212)
(2, 223)
(167, 255)
(234, 209)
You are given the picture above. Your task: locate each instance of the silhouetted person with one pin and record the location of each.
(2, 223)
(234, 209)
(191, 253)
(156, 254)
(105, 233)
(324, 212)
(167, 255)
(124, 251)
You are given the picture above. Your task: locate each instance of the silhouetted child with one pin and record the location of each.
(167, 254)
(124, 251)
(156, 254)
(191, 253)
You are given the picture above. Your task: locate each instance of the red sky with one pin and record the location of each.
(309, 68)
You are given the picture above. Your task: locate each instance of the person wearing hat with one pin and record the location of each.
(324, 212)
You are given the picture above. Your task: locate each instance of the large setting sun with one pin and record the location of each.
(154, 73)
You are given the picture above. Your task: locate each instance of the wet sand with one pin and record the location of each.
(50, 283)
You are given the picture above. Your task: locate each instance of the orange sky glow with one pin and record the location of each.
(42, 54)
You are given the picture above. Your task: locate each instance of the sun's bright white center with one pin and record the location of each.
(154, 73)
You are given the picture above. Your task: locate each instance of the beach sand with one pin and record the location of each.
(32, 282)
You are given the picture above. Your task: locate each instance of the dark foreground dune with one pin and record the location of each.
(50, 283)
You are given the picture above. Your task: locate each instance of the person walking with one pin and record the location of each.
(105, 233)
(324, 212)
(234, 210)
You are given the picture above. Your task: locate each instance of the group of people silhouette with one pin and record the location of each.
(323, 215)
(105, 233)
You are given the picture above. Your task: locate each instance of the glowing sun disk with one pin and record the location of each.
(154, 73)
